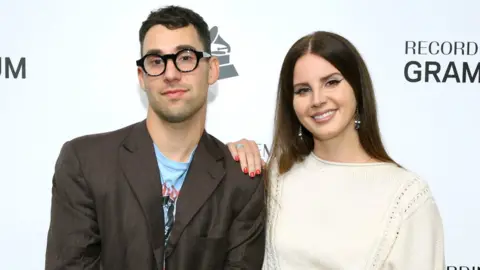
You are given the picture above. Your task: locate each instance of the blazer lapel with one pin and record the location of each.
(138, 162)
(205, 173)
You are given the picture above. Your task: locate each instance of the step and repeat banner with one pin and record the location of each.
(68, 69)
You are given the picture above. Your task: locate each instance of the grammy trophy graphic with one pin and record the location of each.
(221, 49)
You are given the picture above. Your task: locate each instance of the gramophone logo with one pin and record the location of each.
(221, 50)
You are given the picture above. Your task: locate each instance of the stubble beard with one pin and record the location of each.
(178, 115)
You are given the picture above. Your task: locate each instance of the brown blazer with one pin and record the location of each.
(107, 208)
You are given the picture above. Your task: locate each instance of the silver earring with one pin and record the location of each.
(357, 120)
(300, 132)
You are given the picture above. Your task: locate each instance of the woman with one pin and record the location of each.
(336, 199)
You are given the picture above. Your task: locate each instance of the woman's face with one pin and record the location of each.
(323, 100)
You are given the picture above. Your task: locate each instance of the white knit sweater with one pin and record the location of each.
(327, 215)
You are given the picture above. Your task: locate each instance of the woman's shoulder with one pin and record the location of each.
(414, 190)
(274, 173)
(410, 180)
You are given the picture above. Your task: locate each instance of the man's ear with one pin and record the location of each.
(140, 78)
(214, 70)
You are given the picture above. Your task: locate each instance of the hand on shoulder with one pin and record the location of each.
(246, 152)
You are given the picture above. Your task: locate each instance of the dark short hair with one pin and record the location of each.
(174, 17)
(287, 147)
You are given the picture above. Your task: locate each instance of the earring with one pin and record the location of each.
(357, 120)
(300, 132)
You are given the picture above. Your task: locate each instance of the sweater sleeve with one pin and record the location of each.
(420, 241)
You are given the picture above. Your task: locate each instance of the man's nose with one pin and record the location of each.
(171, 71)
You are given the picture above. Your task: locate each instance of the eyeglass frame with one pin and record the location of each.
(173, 56)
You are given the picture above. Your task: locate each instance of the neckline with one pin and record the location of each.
(348, 164)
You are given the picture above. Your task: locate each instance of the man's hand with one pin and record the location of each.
(247, 153)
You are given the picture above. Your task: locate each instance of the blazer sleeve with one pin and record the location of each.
(73, 240)
(420, 242)
(247, 233)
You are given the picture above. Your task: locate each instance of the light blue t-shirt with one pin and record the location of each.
(172, 176)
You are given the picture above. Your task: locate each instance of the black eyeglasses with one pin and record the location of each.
(185, 61)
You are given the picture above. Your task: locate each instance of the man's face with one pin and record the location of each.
(176, 96)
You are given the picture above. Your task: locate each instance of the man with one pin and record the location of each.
(161, 193)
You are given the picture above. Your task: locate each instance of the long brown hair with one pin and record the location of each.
(287, 147)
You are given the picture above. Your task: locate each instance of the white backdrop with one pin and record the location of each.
(81, 78)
